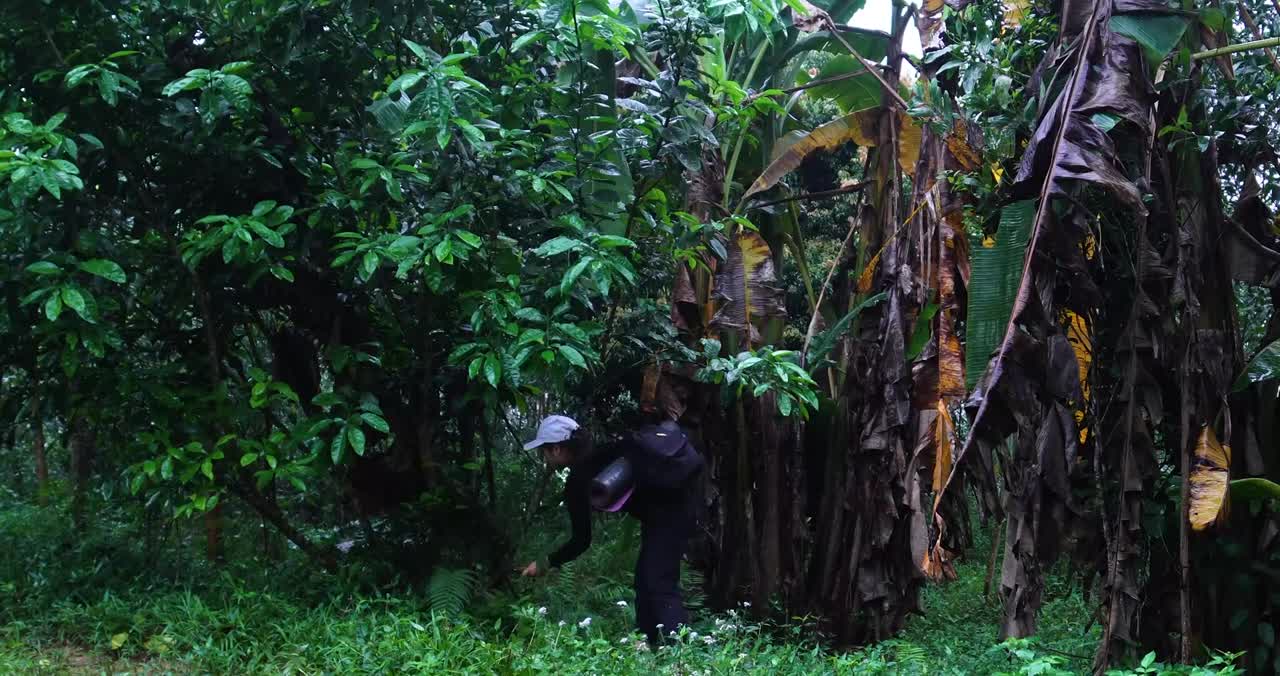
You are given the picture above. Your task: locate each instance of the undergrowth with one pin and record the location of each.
(96, 603)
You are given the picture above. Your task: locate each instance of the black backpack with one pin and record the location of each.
(662, 456)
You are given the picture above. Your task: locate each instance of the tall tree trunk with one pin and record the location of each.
(81, 445)
(37, 431)
(241, 486)
(37, 448)
(213, 524)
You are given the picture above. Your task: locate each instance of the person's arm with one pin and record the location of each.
(577, 500)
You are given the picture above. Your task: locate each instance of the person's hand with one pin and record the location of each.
(531, 570)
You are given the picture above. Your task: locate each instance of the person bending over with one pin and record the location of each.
(663, 494)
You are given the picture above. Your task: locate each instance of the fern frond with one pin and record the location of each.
(450, 589)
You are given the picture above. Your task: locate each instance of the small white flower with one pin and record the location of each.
(561, 623)
(586, 622)
(622, 604)
(709, 640)
(746, 604)
(660, 625)
(542, 610)
(693, 634)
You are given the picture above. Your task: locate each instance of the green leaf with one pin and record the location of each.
(524, 40)
(105, 269)
(443, 250)
(356, 436)
(44, 268)
(471, 132)
(571, 277)
(857, 92)
(335, 448)
(1265, 365)
(1254, 489)
(376, 422)
(181, 84)
(996, 272)
(267, 235)
(472, 240)
(922, 332)
(406, 81)
(1105, 121)
(206, 468)
(53, 307)
(73, 299)
(1213, 18)
(825, 341)
(573, 356)
(613, 241)
(558, 245)
(492, 369)
(418, 50)
(247, 459)
(1159, 33)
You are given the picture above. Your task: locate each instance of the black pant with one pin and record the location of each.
(665, 528)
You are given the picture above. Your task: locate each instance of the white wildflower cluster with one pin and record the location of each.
(542, 610)
(709, 640)
(586, 622)
(622, 604)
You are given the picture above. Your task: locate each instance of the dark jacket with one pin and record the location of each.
(646, 502)
(577, 500)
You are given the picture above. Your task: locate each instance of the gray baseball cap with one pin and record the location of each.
(552, 430)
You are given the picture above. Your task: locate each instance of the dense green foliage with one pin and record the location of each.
(285, 283)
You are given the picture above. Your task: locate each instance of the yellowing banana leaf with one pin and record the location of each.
(858, 127)
(746, 291)
(1208, 477)
(960, 147)
(910, 136)
(1014, 12)
(1081, 340)
(944, 442)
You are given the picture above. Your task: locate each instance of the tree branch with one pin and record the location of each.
(1240, 47)
(1257, 34)
(893, 94)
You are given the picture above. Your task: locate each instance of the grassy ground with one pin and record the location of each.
(92, 605)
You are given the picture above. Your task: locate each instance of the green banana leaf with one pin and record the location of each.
(993, 283)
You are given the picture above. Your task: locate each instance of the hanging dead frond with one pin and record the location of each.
(746, 292)
(1210, 474)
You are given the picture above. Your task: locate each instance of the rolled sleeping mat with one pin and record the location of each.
(612, 487)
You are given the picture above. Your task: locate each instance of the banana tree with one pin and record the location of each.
(1036, 311)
